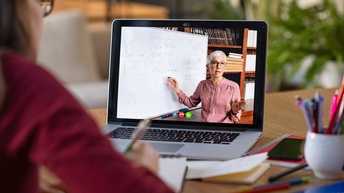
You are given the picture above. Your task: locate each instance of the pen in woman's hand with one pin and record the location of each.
(174, 80)
(138, 133)
(173, 84)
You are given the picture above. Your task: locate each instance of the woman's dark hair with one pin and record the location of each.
(13, 36)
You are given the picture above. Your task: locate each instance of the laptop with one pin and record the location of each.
(145, 53)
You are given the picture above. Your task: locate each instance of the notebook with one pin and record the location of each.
(173, 176)
(144, 53)
(244, 170)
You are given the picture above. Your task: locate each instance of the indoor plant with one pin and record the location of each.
(314, 33)
(296, 33)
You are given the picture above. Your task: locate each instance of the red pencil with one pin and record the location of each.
(268, 188)
(336, 111)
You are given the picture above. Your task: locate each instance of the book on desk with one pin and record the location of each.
(243, 170)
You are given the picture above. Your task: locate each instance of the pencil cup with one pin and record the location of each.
(324, 153)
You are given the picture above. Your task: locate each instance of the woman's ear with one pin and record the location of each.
(207, 66)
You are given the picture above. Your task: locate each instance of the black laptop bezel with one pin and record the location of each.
(261, 51)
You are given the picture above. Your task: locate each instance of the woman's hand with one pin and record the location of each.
(238, 106)
(173, 84)
(144, 155)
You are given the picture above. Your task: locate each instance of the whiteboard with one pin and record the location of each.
(147, 56)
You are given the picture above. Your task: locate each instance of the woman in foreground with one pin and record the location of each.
(42, 124)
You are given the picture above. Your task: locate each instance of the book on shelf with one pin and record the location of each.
(234, 55)
(252, 38)
(233, 67)
(229, 37)
(250, 62)
(215, 36)
(172, 170)
(234, 62)
(197, 31)
(249, 88)
(171, 28)
(239, 60)
(235, 35)
(278, 162)
(225, 36)
(243, 170)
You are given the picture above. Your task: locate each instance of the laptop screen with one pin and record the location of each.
(165, 70)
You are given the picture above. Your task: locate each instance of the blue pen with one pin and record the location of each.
(317, 114)
(304, 107)
(164, 116)
(308, 105)
(320, 113)
(184, 110)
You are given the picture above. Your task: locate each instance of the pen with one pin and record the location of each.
(320, 113)
(315, 109)
(317, 105)
(138, 133)
(167, 115)
(330, 129)
(184, 110)
(340, 123)
(294, 169)
(298, 100)
(171, 78)
(291, 182)
(304, 105)
(274, 184)
(334, 102)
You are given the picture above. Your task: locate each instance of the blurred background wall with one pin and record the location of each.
(305, 41)
(305, 44)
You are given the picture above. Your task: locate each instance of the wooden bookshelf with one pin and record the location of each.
(245, 50)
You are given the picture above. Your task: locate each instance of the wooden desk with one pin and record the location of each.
(281, 117)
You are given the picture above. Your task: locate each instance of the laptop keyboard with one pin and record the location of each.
(172, 135)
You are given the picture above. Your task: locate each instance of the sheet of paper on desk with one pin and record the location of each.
(172, 171)
(248, 165)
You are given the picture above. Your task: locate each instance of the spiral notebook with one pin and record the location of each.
(268, 146)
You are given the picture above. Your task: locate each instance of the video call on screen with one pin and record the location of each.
(149, 55)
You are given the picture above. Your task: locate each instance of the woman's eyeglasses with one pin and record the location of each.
(47, 6)
(215, 63)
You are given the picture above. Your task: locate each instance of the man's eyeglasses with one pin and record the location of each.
(47, 6)
(215, 63)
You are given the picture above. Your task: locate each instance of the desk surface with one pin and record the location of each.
(281, 117)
